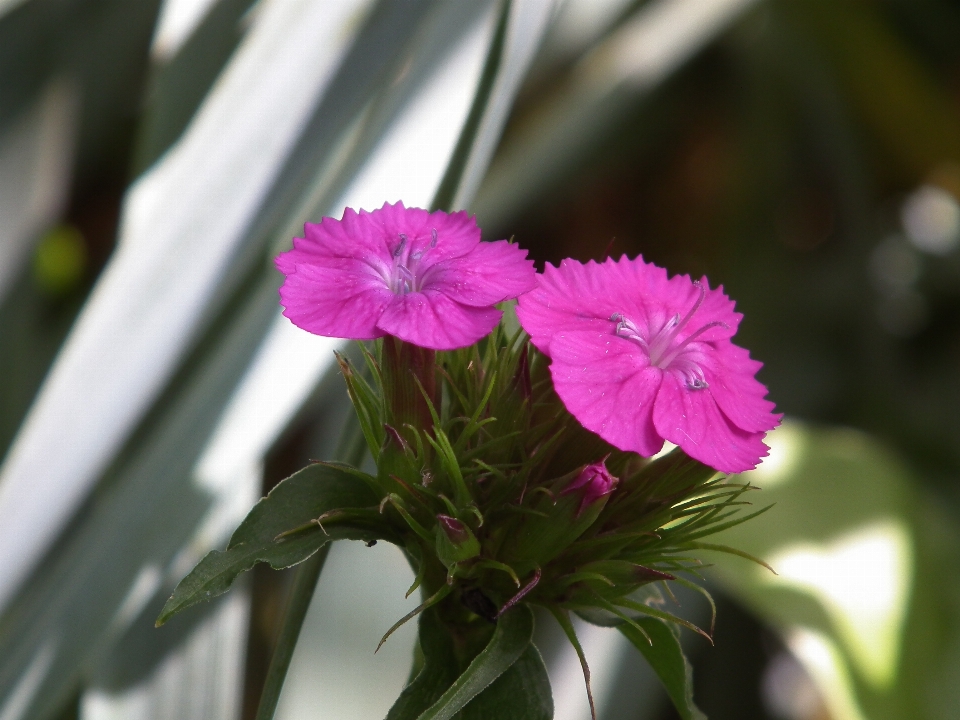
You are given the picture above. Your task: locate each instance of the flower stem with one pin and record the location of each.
(401, 363)
(300, 596)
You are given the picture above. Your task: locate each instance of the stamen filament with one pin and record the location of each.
(663, 349)
(696, 305)
(671, 356)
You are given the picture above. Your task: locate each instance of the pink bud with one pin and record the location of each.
(456, 531)
(594, 481)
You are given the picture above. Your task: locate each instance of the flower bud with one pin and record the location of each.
(455, 541)
(561, 518)
(593, 483)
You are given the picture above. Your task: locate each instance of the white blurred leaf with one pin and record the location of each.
(181, 223)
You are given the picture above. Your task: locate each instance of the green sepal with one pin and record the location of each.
(612, 578)
(409, 374)
(295, 504)
(366, 401)
(597, 615)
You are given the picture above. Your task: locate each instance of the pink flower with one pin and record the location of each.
(594, 482)
(422, 277)
(638, 358)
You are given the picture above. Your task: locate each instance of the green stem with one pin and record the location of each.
(300, 596)
(351, 450)
(400, 363)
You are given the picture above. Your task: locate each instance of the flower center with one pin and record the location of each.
(664, 348)
(406, 275)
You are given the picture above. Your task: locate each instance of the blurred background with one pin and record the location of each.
(154, 157)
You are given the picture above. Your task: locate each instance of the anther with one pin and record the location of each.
(401, 246)
(433, 237)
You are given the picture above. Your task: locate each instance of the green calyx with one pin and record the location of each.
(483, 473)
(556, 519)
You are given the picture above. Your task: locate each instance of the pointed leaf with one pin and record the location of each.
(437, 674)
(294, 503)
(521, 693)
(510, 640)
(665, 656)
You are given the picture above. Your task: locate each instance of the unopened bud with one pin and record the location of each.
(593, 483)
(561, 517)
(455, 541)
(456, 531)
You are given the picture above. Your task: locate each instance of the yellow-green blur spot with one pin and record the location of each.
(60, 260)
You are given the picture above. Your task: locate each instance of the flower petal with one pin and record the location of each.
(457, 233)
(692, 420)
(607, 383)
(566, 298)
(667, 297)
(729, 371)
(577, 296)
(335, 301)
(488, 274)
(432, 320)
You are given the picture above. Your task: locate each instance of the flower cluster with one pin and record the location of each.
(636, 356)
(512, 468)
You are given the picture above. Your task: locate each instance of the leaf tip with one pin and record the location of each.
(165, 614)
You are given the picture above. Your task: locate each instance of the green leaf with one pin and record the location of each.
(437, 674)
(452, 178)
(300, 596)
(888, 542)
(303, 497)
(665, 656)
(510, 640)
(521, 693)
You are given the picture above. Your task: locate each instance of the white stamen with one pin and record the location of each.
(663, 350)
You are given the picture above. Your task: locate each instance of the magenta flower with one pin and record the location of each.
(638, 358)
(422, 277)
